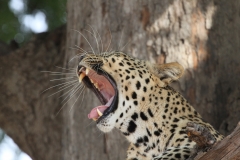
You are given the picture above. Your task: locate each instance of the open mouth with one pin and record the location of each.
(104, 87)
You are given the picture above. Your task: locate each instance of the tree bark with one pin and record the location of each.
(202, 35)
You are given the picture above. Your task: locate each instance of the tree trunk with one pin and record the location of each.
(203, 36)
(26, 114)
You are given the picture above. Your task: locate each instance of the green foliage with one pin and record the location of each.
(10, 24)
(55, 11)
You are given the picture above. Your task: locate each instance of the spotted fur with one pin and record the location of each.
(150, 114)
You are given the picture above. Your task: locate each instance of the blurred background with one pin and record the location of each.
(19, 20)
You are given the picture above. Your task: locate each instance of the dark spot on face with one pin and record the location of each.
(182, 132)
(120, 64)
(175, 110)
(148, 132)
(113, 60)
(127, 97)
(134, 116)
(123, 103)
(143, 98)
(135, 103)
(174, 125)
(127, 71)
(178, 155)
(195, 113)
(183, 109)
(166, 110)
(146, 139)
(140, 140)
(175, 120)
(143, 116)
(136, 145)
(131, 127)
(138, 85)
(147, 80)
(110, 65)
(150, 112)
(163, 116)
(144, 89)
(121, 115)
(156, 133)
(126, 134)
(134, 95)
(126, 88)
(168, 99)
(127, 77)
(128, 63)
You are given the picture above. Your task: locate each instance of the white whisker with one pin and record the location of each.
(76, 99)
(56, 72)
(59, 79)
(69, 69)
(100, 41)
(58, 85)
(94, 35)
(65, 103)
(72, 90)
(120, 41)
(124, 46)
(85, 40)
(59, 90)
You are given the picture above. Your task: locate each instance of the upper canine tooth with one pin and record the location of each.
(81, 76)
(99, 112)
(87, 71)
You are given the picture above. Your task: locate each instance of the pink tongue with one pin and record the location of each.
(94, 114)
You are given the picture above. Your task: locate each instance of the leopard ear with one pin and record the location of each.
(167, 72)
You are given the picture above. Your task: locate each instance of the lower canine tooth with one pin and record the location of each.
(82, 75)
(99, 112)
(95, 119)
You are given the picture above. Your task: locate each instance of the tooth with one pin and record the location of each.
(91, 80)
(87, 71)
(95, 119)
(99, 112)
(96, 85)
(82, 75)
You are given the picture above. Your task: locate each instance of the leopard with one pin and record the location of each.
(137, 99)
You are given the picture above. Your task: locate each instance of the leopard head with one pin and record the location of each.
(121, 83)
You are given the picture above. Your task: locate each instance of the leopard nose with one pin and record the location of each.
(81, 58)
